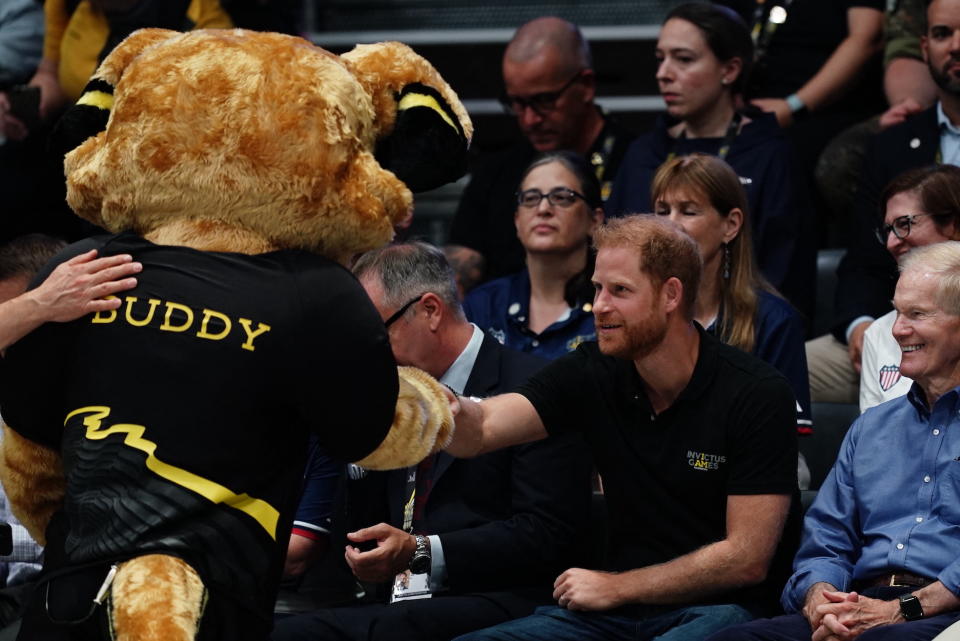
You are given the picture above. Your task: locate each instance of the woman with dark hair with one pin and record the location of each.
(547, 308)
(705, 54)
(920, 207)
(703, 195)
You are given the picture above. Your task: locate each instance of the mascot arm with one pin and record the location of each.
(351, 392)
(32, 480)
(422, 424)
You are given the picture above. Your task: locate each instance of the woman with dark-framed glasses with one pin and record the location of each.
(920, 207)
(547, 308)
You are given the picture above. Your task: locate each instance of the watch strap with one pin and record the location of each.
(795, 103)
(910, 607)
(421, 560)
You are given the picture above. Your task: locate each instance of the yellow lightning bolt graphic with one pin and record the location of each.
(265, 514)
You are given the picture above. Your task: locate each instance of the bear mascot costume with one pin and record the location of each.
(158, 449)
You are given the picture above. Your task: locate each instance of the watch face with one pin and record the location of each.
(910, 607)
(420, 563)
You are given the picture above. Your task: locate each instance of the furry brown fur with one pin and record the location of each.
(243, 142)
(156, 598)
(422, 402)
(32, 480)
(300, 173)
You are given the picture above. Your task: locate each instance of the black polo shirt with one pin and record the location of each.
(183, 416)
(667, 477)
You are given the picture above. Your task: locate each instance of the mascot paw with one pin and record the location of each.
(423, 423)
(156, 598)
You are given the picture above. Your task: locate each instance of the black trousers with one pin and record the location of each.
(440, 618)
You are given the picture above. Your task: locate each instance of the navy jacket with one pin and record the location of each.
(867, 275)
(764, 161)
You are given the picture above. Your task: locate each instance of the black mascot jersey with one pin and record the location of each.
(182, 417)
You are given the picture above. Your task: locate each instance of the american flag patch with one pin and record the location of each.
(889, 375)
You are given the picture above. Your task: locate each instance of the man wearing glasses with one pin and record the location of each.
(461, 544)
(549, 86)
(879, 558)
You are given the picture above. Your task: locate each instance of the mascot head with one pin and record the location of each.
(233, 140)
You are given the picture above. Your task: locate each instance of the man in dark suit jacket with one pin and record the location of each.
(492, 532)
(867, 274)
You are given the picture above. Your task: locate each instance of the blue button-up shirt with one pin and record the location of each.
(949, 138)
(891, 501)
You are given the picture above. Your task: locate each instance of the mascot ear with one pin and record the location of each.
(89, 116)
(85, 119)
(427, 147)
(423, 131)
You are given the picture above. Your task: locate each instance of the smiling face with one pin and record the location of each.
(549, 228)
(628, 308)
(691, 79)
(702, 221)
(941, 44)
(923, 231)
(927, 335)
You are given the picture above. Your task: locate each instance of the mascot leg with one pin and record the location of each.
(32, 480)
(156, 598)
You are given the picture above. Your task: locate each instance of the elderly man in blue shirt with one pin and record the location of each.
(880, 558)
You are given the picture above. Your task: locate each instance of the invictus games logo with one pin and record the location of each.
(704, 461)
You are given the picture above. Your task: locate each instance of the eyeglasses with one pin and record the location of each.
(558, 197)
(397, 314)
(900, 227)
(540, 103)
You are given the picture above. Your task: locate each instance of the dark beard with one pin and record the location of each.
(946, 81)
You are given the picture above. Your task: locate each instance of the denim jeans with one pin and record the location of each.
(553, 623)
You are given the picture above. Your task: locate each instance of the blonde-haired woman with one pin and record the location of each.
(703, 195)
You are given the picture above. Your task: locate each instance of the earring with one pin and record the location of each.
(724, 81)
(726, 261)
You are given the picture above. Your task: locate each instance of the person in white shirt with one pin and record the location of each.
(920, 207)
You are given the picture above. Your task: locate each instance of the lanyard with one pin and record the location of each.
(763, 29)
(417, 489)
(732, 130)
(410, 491)
(599, 161)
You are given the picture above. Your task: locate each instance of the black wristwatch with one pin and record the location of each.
(910, 607)
(420, 563)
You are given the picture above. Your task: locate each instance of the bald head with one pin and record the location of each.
(533, 39)
(550, 85)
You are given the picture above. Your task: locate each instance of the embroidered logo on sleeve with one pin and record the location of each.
(889, 375)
